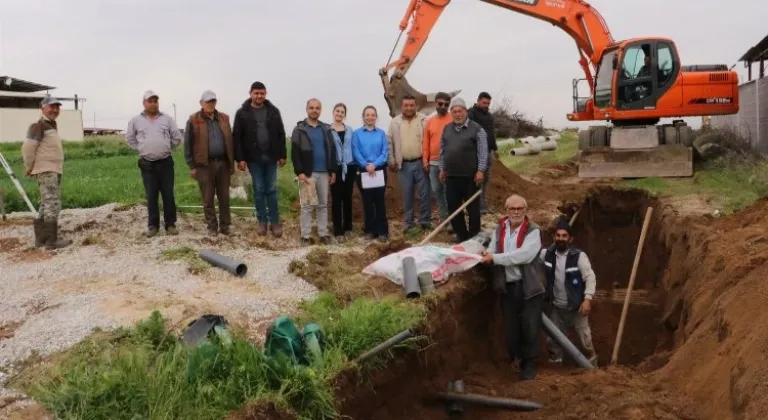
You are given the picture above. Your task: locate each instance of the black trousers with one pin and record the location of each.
(522, 323)
(341, 201)
(374, 206)
(459, 189)
(158, 177)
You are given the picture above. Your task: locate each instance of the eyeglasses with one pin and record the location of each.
(517, 209)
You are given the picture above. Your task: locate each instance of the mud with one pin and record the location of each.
(467, 341)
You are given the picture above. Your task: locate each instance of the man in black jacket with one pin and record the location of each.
(314, 157)
(480, 113)
(260, 144)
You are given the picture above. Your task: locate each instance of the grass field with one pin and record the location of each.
(105, 170)
(147, 372)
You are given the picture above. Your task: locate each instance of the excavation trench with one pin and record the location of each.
(467, 341)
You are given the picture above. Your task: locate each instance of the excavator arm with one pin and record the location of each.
(576, 17)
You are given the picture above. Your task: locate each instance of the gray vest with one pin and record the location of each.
(460, 153)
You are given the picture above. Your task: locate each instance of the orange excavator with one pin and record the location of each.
(633, 84)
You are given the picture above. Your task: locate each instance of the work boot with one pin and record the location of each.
(213, 232)
(151, 231)
(39, 233)
(277, 230)
(326, 240)
(527, 370)
(51, 230)
(262, 230)
(225, 230)
(171, 230)
(306, 242)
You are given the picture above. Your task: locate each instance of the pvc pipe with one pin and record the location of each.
(237, 268)
(548, 145)
(411, 279)
(384, 346)
(551, 329)
(508, 403)
(426, 283)
(523, 151)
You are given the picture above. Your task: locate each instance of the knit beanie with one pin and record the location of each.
(456, 101)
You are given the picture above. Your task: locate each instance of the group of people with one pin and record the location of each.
(449, 152)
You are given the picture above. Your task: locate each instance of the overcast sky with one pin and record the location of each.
(112, 51)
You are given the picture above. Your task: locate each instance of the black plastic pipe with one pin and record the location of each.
(237, 268)
(564, 343)
(508, 403)
(384, 346)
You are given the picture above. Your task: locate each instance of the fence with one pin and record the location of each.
(752, 120)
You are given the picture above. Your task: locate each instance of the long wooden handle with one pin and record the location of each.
(449, 218)
(617, 344)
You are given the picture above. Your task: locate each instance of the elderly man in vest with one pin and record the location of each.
(570, 285)
(517, 271)
(43, 156)
(463, 162)
(210, 156)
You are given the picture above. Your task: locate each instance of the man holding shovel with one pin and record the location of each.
(570, 285)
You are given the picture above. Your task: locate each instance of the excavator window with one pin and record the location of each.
(666, 62)
(636, 75)
(604, 80)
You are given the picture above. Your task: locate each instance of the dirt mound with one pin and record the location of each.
(716, 305)
(467, 343)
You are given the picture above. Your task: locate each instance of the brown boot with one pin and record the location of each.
(51, 229)
(262, 229)
(39, 233)
(277, 230)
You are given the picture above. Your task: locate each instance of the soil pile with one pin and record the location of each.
(717, 301)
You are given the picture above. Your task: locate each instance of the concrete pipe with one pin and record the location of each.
(384, 346)
(235, 267)
(554, 137)
(551, 329)
(523, 151)
(505, 142)
(411, 279)
(527, 140)
(548, 145)
(536, 147)
(488, 401)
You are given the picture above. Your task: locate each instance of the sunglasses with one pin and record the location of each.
(442, 104)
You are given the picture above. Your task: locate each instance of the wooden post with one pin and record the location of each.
(449, 218)
(2, 203)
(617, 344)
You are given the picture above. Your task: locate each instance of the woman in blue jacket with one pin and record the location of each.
(370, 150)
(341, 190)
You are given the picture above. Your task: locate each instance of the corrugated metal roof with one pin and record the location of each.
(757, 53)
(12, 84)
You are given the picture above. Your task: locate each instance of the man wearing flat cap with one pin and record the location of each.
(155, 135)
(463, 162)
(43, 155)
(209, 153)
(570, 286)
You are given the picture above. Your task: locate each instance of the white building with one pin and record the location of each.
(20, 107)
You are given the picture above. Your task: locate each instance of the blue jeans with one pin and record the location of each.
(412, 175)
(264, 175)
(438, 189)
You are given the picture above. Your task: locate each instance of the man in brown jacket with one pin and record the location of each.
(43, 156)
(209, 152)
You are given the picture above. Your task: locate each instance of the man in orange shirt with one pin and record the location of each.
(433, 131)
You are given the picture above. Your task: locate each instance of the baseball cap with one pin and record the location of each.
(49, 100)
(208, 96)
(148, 94)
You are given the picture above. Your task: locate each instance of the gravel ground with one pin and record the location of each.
(53, 299)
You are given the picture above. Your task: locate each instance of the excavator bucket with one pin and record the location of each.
(636, 152)
(397, 87)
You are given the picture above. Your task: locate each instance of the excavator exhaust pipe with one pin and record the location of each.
(398, 87)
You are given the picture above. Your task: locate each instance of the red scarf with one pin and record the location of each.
(520, 234)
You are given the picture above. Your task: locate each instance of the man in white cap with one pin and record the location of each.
(463, 162)
(43, 156)
(209, 153)
(155, 135)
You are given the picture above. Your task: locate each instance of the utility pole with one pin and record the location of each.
(174, 113)
(94, 121)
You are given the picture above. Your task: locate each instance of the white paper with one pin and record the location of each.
(375, 181)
